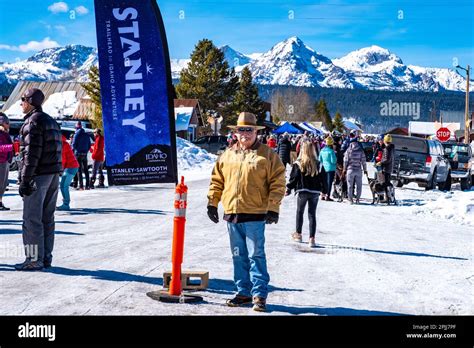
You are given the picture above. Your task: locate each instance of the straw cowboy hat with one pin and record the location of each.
(247, 119)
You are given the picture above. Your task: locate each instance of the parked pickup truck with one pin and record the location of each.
(421, 161)
(461, 159)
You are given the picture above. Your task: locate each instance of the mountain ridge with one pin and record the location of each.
(288, 63)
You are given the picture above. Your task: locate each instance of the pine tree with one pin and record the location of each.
(93, 91)
(322, 115)
(338, 122)
(209, 79)
(247, 99)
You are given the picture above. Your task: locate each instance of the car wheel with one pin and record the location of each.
(445, 186)
(432, 183)
(465, 184)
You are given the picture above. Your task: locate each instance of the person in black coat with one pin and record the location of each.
(307, 179)
(387, 161)
(81, 144)
(40, 152)
(284, 149)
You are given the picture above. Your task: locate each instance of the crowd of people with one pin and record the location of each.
(341, 155)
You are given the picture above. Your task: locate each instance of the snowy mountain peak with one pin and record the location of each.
(292, 45)
(67, 57)
(233, 57)
(292, 62)
(372, 58)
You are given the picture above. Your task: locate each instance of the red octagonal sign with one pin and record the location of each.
(443, 134)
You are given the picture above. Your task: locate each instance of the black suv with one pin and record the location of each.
(215, 144)
(461, 158)
(422, 161)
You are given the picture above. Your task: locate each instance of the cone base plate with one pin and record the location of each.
(164, 296)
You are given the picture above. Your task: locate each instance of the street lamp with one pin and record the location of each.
(466, 115)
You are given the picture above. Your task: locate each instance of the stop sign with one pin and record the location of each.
(443, 134)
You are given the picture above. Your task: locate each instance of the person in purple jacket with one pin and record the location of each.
(354, 163)
(6, 152)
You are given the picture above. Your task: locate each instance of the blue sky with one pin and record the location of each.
(426, 33)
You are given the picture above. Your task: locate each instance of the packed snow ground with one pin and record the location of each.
(114, 245)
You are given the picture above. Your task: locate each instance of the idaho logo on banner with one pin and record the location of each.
(136, 91)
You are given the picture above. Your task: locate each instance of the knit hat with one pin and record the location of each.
(4, 119)
(34, 96)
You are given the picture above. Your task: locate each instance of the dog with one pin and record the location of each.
(339, 186)
(378, 191)
(381, 192)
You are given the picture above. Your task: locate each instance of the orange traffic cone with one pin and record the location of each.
(175, 293)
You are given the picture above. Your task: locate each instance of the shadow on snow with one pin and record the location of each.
(401, 253)
(85, 211)
(12, 231)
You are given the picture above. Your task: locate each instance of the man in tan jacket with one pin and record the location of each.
(249, 179)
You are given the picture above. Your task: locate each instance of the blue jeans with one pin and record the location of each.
(66, 180)
(329, 179)
(247, 243)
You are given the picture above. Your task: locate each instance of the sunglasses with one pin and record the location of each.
(244, 129)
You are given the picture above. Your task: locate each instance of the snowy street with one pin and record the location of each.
(114, 245)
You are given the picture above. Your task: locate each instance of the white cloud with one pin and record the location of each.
(58, 7)
(81, 10)
(32, 46)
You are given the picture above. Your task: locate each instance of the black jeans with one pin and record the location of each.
(312, 200)
(83, 169)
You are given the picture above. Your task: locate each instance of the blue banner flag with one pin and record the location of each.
(136, 91)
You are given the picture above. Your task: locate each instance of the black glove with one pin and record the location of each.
(27, 187)
(271, 217)
(212, 213)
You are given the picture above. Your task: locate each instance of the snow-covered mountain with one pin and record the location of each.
(62, 63)
(445, 78)
(377, 68)
(234, 58)
(290, 62)
(177, 65)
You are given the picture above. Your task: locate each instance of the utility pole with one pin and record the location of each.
(466, 115)
(467, 131)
